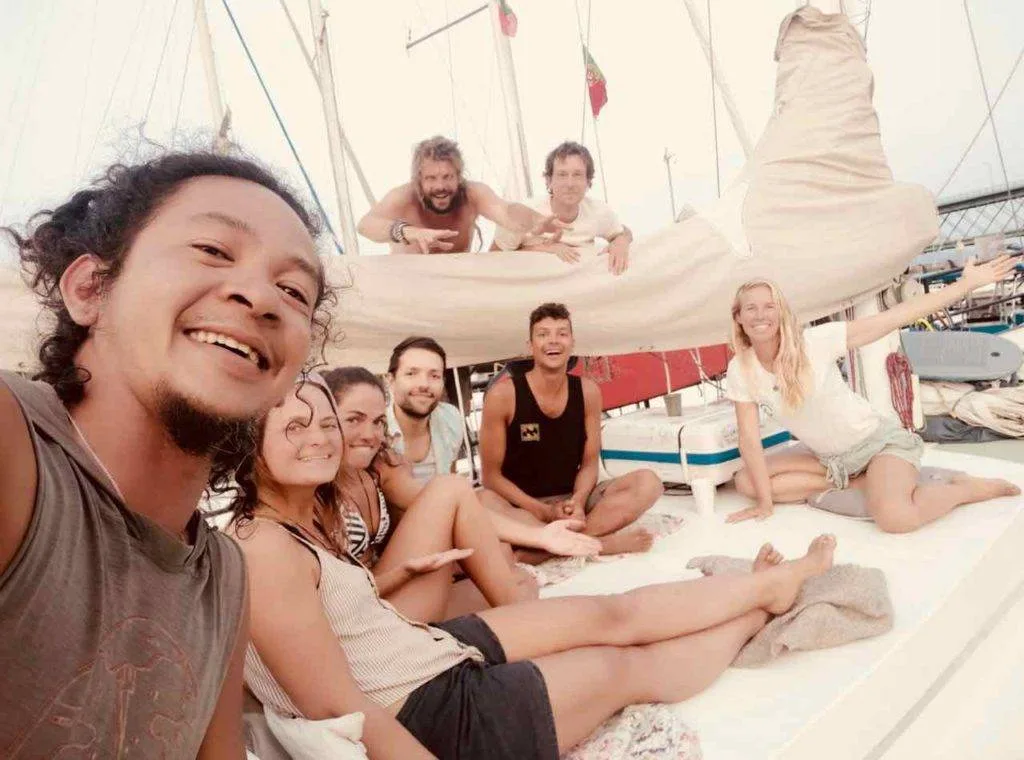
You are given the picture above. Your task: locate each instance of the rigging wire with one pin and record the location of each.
(451, 73)
(984, 123)
(284, 130)
(584, 47)
(714, 102)
(85, 88)
(991, 116)
(156, 78)
(117, 81)
(184, 73)
(488, 161)
(24, 122)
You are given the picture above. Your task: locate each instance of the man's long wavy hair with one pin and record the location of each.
(104, 220)
(792, 368)
(253, 478)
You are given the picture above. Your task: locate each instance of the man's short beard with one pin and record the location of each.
(415, 413)
(199, 432)
(457, 201)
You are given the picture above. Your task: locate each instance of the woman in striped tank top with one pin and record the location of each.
(521, 682)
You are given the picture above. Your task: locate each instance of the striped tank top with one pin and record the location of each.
(389, 655)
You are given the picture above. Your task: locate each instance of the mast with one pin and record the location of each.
(335, 136)
(221, 115)
(521, 187)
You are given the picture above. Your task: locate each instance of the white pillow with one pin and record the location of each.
(336, 738)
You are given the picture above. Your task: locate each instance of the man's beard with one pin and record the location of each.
(458, 198)
(200, 432)
(416, 414)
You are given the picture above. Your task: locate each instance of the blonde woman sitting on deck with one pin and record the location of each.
(372, 480)
(522, 682)
(793, 372)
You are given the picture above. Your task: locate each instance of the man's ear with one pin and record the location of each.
(81, 289)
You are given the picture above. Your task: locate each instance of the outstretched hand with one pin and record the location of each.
(563, 537)
(427, 241)
(550, 225)
(756, 512)
(431, 562)
(977, 275)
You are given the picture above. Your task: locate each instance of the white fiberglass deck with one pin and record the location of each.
(950, 582)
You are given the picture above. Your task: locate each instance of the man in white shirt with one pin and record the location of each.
(568, 174)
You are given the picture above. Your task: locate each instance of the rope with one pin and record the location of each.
(714, 104)
(901, 387)
(991, 116)
(284, 130)
(586, 89)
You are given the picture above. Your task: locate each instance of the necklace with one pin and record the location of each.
(95, 457)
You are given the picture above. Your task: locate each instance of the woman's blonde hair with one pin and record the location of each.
(792, 368)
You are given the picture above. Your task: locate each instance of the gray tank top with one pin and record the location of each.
(114, 636)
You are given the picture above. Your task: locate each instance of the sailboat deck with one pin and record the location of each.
(950, 583)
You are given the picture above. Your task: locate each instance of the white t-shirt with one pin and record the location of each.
(594, 220)
(833, 419)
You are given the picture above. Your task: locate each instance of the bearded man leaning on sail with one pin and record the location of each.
(568, 174)
(437, 210)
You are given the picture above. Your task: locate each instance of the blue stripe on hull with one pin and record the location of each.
(669, 457)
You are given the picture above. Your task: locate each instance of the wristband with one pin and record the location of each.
(397, 231)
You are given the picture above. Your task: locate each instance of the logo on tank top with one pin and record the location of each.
(529, 431)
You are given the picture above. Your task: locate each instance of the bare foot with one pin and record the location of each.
(983, 489)
(631, 541)
(790, 576)
(767, 557)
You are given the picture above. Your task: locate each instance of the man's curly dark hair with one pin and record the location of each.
(104, 220)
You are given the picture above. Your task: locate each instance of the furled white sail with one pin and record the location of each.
(816, 209)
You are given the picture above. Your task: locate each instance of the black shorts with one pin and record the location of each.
(483, 711)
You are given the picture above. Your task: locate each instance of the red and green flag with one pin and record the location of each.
(509, 22)
(595, 84)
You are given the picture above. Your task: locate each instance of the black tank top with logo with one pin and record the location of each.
(543, 454)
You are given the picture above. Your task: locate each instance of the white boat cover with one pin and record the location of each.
(816, 210)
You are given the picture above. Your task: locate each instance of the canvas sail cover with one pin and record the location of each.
(816, 209)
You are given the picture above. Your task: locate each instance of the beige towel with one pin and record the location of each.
(845, 604)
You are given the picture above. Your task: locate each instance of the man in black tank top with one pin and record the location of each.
(540, 442)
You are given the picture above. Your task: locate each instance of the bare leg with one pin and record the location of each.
(652, 613)
(795, 476)
(899, 505)
(446, 515)
(624, 499)
(588, 685)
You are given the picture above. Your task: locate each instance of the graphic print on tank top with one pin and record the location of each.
(543, 454)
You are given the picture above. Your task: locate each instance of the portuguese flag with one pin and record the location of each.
(509, 22)
(595, 84)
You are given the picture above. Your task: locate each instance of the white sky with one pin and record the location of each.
(76, 77)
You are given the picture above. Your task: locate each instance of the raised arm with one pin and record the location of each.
(499, 406)
(295, 641)
(748, 423)
(17, 477)
(861, 332)
(512, 216)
